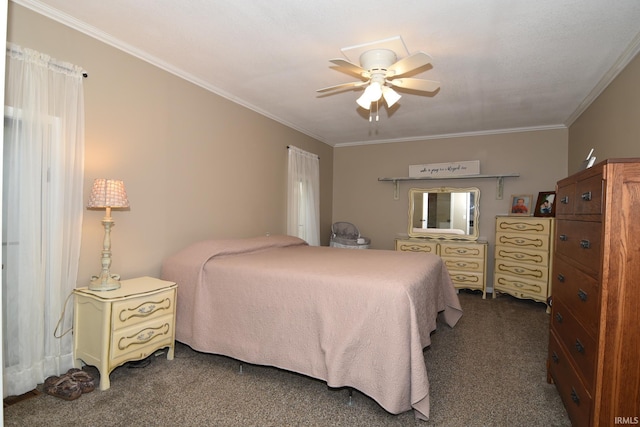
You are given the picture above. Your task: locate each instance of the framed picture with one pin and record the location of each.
(545, 206)
(521, 204)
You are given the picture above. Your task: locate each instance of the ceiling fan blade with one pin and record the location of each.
(350, 66)
(342, 86)
(416, 84)
(408, 63)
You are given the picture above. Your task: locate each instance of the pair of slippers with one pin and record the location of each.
(71, 385)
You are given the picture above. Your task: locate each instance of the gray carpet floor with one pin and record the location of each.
(490, 370)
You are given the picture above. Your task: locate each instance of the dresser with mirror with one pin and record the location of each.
(444, 221)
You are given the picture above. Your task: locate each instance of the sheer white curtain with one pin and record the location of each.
(42, 214)
(303, 196)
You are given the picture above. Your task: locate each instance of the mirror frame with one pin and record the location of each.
(446, 236)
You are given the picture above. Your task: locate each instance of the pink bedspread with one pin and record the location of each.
(357, 318)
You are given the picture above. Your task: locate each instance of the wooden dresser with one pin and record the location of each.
(465, 260)
(523, 257)
(594, 340)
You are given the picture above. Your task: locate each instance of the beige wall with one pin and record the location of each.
(611, 124)
(195, 165)
(540, 157)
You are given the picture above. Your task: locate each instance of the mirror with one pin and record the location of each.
(444, 213)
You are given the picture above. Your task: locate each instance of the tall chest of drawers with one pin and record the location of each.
(594, 340)
(523, 251)
(466, 261)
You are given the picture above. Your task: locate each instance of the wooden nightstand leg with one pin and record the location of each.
(171, 352)
(105, 384)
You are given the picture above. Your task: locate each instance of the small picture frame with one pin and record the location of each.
(520, 205)
(545, 206)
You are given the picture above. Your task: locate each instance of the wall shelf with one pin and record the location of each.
(499, 181)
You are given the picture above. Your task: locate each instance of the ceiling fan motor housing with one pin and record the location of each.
(377, 59)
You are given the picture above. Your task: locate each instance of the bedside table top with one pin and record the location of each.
(137, 286)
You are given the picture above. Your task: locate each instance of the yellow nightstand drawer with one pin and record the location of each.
(139, 341)
(148, 307)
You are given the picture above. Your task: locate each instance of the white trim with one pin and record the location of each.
(455, 135)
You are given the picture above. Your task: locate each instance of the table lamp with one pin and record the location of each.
(107, 194)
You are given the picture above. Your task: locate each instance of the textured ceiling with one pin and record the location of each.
(503, 65)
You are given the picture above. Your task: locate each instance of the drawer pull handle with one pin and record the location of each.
(145, 309)
(565, 200)
(559, 318)
(560, 278)
(555, 357)
(144, 336)
(586, 196)
(585, 244)
(579, 346)
(563, 237)
(582, 295)
(574, 396)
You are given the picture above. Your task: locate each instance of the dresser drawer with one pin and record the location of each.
(579, 292)
(565, 199)
(521, 270)
(461, 249)
(521, 288)
(589, 196)
(576, 398)
(138, 341)
(466, 264)
(581, 198)
(530, 225)
(581, 241)
(141, 309)
(579, 345)
(522, 255)
(467, 278)
(413, 246)
(525, 241)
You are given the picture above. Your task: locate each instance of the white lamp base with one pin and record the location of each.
(106, 281)
(99, 283)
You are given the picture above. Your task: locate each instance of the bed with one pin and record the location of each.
(358, 319)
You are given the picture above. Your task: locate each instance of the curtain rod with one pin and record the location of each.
(20, 52)
(289, 147)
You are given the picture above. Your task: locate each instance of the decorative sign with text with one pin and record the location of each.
(440, 170)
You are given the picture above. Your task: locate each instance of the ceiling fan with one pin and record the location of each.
(380, 69)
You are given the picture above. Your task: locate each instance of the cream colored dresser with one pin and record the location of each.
(523, 257)
(129, 323)
(465, 260)
(594, 341)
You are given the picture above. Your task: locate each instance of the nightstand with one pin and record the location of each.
(111, 328)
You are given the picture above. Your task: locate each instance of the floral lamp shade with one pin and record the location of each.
(108, 193)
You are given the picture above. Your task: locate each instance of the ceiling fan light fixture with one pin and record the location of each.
(372, 93)
(390, 96)
(364, 101)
